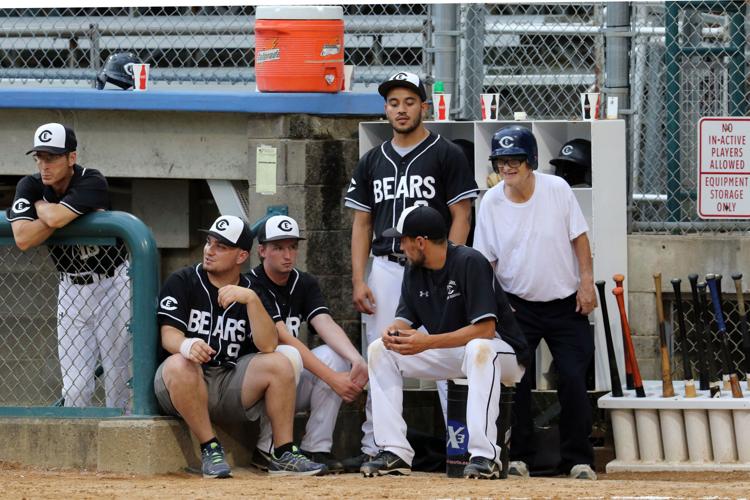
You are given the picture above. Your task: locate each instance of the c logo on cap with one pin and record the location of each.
(45, 136)
(567, 150)
(21, 205)
(222, 224)
(168, 303)
(400, 76)
(285, 225)
(506, 142)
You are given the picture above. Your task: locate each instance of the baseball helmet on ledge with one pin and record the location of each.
(118, 70)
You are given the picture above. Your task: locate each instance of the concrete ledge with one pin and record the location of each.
(67, 443)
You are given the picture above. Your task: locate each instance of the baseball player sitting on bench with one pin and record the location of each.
(93, 301)
(451, 290)
(222, 365)
(333, 371)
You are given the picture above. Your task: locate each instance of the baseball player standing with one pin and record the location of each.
(333, 371)
(93, 303)
(222, 365)
(416, 167)
(451, 291)
(531, 229)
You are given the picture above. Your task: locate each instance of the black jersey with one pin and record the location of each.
(463, 292)
(435, 173)
(190, 303)
(299, 300)
(87, 192)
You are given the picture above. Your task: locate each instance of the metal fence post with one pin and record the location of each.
(444, 46)
(472, 72)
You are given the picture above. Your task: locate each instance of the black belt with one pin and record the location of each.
(401, 261)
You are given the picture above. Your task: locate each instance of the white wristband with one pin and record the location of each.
(186, 345)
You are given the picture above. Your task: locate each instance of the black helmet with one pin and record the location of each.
(515, 141)
(573, 163)
(118, 70)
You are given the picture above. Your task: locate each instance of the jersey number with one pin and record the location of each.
(87, 251)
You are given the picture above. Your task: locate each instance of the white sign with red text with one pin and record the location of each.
(724, 168)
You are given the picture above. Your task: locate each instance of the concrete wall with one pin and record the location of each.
(675, 257)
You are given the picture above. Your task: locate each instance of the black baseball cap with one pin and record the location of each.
(54, 138)
(232, 231)
(419, 221)
(403, 79)
(279, 227)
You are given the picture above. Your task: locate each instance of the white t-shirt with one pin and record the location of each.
(531, 242)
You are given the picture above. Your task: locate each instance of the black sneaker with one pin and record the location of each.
(353, 464)
(334, 466)
(294, 463)
(260, 459)
(481, 468)
(385, 463)
(213, 462)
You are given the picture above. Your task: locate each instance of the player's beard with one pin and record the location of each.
(417, 260)
(407, 129)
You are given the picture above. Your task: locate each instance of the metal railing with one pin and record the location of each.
(33, 311)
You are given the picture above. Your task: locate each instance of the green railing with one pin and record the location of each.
(101, 229)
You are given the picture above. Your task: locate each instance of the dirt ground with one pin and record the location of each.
(25, 482)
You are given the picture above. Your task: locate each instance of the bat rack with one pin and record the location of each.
(678, 434)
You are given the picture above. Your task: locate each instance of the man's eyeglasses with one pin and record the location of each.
(507, 162)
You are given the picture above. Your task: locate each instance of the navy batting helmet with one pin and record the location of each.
(574, 162)
(118, 70)
(515, 141)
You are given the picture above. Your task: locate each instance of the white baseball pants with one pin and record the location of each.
(385, 282)
(92, 325)
(315, 395)
(485, 363)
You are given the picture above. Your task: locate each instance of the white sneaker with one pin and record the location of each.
(518, 468)
(582, 471)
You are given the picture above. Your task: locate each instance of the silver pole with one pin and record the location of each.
(616, 53)
(444, 45)
(472, 72)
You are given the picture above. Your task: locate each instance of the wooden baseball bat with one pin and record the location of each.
(737, 277)
(619, 279)
(713, 383)
(614, 374)
(684, 347)
(667, 388)
(629, 350)
(727, 367)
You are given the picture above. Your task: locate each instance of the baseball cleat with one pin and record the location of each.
(213, 462)
(518, 468)
(582, 471)
(294, 463)
(481, 468)
(385, 463)
(322, 457)
(261, 459)
(353, 464)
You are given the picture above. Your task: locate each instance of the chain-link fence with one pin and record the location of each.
(66, 337)
(682, 60)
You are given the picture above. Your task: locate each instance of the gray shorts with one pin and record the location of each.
(224, 392)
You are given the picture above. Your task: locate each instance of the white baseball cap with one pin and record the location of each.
(232, 231)
(278, 227)
(403, 79)
(54, 138)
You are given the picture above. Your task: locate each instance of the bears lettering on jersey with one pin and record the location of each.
(413, 186)
(292, 324)
(230, 330)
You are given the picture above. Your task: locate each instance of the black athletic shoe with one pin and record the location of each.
(261, 459)
(334, 466)
(385, 463)
(481, 468)
(353, 464)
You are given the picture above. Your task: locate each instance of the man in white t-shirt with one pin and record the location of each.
(531, 229)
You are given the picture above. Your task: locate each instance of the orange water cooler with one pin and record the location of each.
(299, 48)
